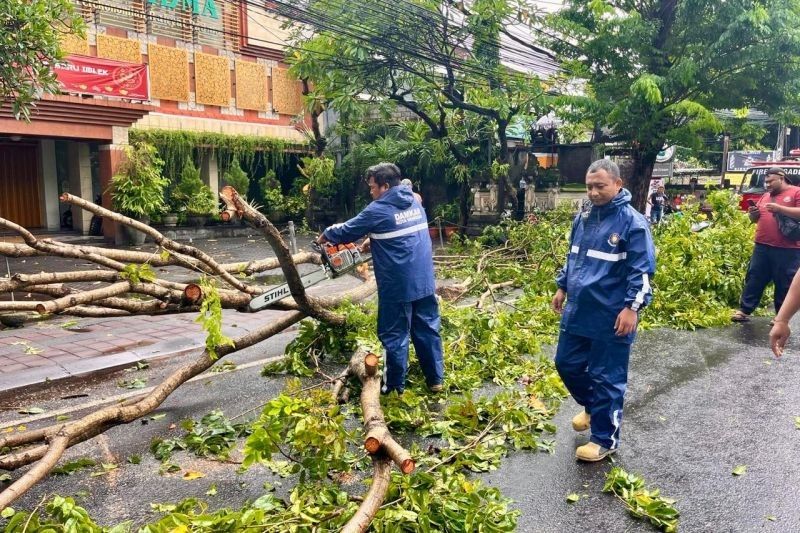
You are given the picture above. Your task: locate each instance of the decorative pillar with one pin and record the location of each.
(209, 172)
(109, 157)
(80, 183)
(47, 149)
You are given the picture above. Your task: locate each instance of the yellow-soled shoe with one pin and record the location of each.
(592, 452)
(581, 421)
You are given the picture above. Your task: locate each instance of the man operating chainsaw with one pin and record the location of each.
(402, 256)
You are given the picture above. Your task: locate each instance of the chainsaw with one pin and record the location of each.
(337, 260)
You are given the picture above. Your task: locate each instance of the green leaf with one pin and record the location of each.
(31, 411)
(8, 512)
(138, 383)
(573, 497)
(168, 468)
(107, 467)
(211, 318)
(739, 470)
(212, 490)
(73, 466)
(138, 273)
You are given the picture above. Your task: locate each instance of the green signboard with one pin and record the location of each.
(198, 7)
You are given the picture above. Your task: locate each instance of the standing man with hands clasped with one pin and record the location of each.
(606, 283)
(775, 258)
(402, 255)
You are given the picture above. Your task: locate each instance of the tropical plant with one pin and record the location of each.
(29, 46)
(138, 188)
(237, 178)
(194, 196)
(319, 173)
(656, 70)
(273, 199)
(447, 73)
(175, 146)
(447, 212)
(296, 204)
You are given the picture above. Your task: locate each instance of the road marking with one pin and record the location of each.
(124, 396)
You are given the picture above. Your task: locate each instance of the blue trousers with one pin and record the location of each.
(769, 263)
(596, 374)
(656, 214)
(421, 319)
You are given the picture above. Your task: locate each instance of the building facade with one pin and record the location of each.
(206, 66)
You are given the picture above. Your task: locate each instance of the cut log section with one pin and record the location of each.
(378, 442)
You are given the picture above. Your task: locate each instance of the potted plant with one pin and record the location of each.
(197, 198)
(201, 206)
(237, 178)
(272, 196)
(137, 190)
(448, 215)
(170, 218)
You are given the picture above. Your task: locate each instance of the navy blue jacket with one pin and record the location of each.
(609, 266)
(402, 253)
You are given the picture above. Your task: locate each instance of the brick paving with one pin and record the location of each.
(63, 347)
(49, 350)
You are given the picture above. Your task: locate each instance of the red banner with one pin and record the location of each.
(93, 75)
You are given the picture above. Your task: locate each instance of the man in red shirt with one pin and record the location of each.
(775, 258)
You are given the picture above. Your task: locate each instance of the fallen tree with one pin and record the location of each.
(303, 431)
(126, 273)
(131, 273)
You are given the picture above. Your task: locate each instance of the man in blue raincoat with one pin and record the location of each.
(402, 256)
(606, 283)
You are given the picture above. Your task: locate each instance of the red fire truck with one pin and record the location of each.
(752, 186)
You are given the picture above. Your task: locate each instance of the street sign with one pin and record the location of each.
(663, 170)
(740, 160)
(666, 154)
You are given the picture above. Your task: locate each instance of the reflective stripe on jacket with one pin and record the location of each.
(402, 253)
(610, 263)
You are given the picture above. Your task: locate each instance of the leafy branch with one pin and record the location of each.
(641, 502)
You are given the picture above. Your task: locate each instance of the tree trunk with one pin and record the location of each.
(639, 182)
(378, 443)
(463, 206)
(503, 186)
(320, 142)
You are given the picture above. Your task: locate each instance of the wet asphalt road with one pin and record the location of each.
(698, 404)
(127, 492)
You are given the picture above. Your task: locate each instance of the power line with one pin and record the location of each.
(457, 64)
(323, 22)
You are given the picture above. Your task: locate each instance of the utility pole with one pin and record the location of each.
(726, 141)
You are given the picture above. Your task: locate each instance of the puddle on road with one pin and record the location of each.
(126, 347)
(79, 330)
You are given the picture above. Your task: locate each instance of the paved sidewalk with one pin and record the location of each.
(65, 347)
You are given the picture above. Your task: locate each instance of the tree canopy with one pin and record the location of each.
(439, 61)
(656, 69)
(29, 45)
